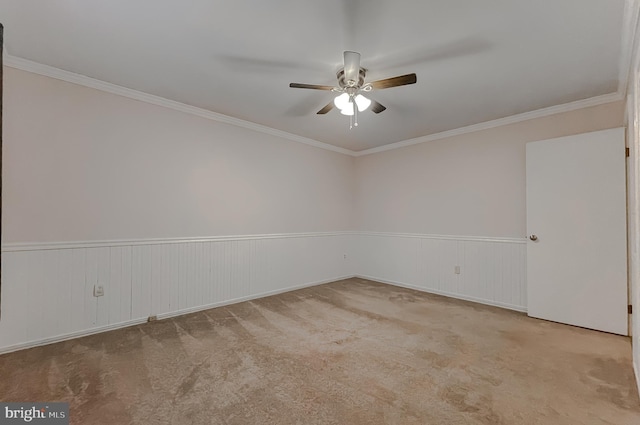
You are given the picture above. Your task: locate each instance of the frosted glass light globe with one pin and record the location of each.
(362, 102)
(348, 109)
(341, 101)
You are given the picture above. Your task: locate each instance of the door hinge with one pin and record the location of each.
(626, 151)
(629, 309)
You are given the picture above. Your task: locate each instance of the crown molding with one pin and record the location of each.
(83, 80)
(539, 113)
(629, 35)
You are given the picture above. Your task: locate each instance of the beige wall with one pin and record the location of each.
(81, 165)
(468, 185)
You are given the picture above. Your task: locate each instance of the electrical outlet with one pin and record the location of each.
(98, 290)
(456, 269)
(345, 256)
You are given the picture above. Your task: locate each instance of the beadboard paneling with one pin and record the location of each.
(492, 270)
(48, 288)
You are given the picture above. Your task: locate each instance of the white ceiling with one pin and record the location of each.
(475, 60)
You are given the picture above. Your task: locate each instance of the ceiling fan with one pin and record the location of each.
(351, 85)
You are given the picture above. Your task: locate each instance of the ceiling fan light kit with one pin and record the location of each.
(351, 85)
(348, 111)
(362, 102)
(344, 101)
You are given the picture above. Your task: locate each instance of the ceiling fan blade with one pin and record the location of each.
(377, 107)
(326, 108)
(402, 80)
(351, 67)
(309, 86)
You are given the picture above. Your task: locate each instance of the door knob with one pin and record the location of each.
(533, 238)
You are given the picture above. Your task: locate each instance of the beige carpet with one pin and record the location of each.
(350, 352)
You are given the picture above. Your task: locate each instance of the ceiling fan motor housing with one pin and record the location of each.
(344, 84)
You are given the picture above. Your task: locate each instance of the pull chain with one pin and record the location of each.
(355, 112)
(353, 119)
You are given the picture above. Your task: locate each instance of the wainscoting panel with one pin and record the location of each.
(48, 288)
(492, 270)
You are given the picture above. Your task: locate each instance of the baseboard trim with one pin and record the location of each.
(71, 335)
(446, 294)
(138, 321)
(248, 298)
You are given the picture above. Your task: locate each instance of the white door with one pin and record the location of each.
(576, 222)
